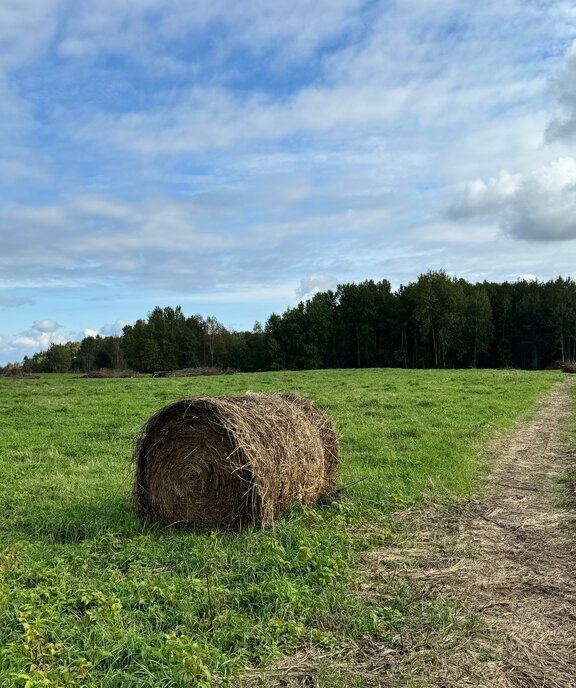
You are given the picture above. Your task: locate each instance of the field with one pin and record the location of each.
(91, 597)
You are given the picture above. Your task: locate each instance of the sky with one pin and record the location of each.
(236, 157)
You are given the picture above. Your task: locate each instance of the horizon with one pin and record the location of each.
(49, 326)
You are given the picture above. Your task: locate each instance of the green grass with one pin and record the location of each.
(91, 597)
(568, 481)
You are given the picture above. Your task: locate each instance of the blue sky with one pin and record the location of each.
(234, 158)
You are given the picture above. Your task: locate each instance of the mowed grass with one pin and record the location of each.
(568, 481)
(91, 597)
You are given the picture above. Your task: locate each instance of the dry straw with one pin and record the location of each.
(233, 461)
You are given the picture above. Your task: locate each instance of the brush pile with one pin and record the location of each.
(230, 462)
(194, 372)
(569, 366)
(16, 372)
(105, 373)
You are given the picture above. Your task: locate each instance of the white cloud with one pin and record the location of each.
(26, 28)
(113, 329)
(38, 341)
(38, 338)
(234, 238)
(42, 334)
(208, 118)
(312, 284)
(46, 326)
(140, 30)
(538, 206)
(563, 127)
(486, 197)
(494, 256)
(450, 235)
(14, 302)
(81, 334)
(399, 67)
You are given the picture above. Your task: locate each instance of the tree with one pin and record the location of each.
(436, 321)
(86, 355)
(560, 297)
(322, 318)
(439, 317)
(275, 350)
(478, 324)
(59, 357)
(215, 340)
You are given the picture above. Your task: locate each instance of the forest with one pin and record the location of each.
(438, 321)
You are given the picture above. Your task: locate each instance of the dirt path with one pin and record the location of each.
(524, 580)
(519, 572)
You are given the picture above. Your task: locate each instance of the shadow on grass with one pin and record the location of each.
(74, 523)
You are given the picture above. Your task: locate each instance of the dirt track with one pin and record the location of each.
(524, 580)
(517, 563)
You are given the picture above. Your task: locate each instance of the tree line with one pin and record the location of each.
(437, 321)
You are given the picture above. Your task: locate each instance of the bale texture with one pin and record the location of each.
(228, 462)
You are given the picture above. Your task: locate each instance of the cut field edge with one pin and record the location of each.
(567, 481)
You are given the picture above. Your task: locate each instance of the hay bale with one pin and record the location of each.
(233, 461)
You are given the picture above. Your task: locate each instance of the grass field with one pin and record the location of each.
(569, 480)
(91, 597)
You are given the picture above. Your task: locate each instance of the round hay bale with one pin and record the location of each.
(227, 462)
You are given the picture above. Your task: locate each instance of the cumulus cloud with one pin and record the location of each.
(113, 329)
(46, 326)
(485, 197)
(563, 127)
(538, 206)
(104, 331)
(40, 335)
(38, 341)
(312, 284)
